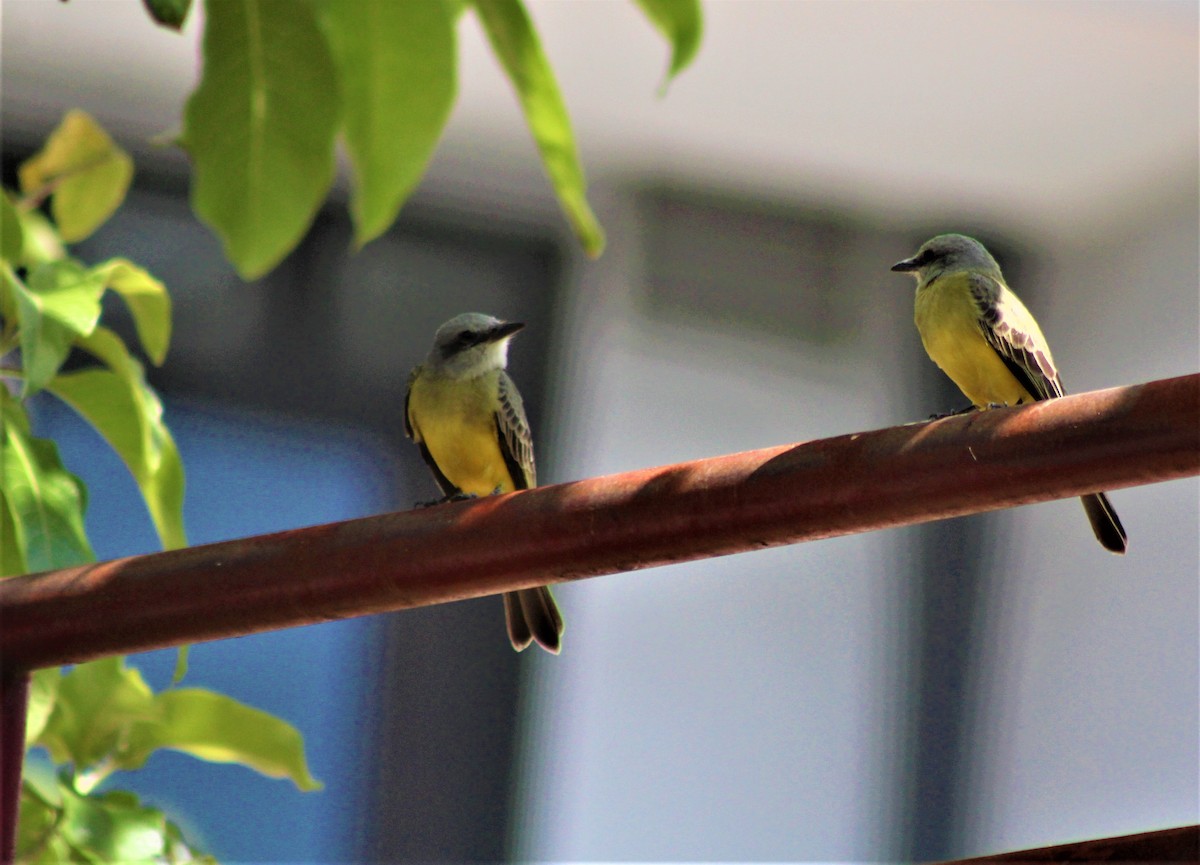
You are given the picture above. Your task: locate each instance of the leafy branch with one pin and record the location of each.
(283, 80)
(99, 718)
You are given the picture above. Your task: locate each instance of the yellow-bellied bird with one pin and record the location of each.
(977, 330)
(466, 415)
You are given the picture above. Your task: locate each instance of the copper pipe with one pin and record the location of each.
(1102, 440)
(14, 702)
(1181, 844)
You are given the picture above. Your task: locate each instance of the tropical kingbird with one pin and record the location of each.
(977, 330)
(466, 415)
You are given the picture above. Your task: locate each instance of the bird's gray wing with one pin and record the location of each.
(516, 443)
(1011, 330)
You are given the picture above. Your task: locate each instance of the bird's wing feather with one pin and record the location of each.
(1011, 330)
(516, 443)
(408, 427)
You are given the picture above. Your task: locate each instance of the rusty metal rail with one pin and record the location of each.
(853, 483)
(1181, 844)
(14, 702)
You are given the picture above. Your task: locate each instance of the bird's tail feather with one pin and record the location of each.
(532, 615)
(1105, 522)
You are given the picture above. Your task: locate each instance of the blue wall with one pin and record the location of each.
(249, 474)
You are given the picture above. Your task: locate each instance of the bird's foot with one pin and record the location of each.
(956, 413)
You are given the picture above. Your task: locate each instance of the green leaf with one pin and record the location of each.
(44, 501)
(60, 303)
(67, 293)
(37, 839)
(113, 827)
(11, 240)
(43, 692)
(87, 173)
(45, 341)
(9, 287)
(516, 44)
(41, 782)
(128, 414)
(181, 665)
(260, 128)
(396, 65)
(12, 547)
(175, 840)
(12, 551)
(97, 708)
(146, 298)
(12, 557)
(682, 23)
(52, 851)
(219, 729)
(42, 243)
(59, 825)
(168, 13)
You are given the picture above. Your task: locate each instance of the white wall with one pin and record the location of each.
(730, 708)
(1094, 708)
(747, 707)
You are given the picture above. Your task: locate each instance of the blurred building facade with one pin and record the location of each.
(955, 689)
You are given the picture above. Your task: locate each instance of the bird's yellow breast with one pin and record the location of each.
(952, 333)
(455, 419)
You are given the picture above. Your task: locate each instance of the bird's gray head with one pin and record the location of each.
(948, 253)
(471, 344)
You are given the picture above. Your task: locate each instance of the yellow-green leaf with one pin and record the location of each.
(146, 298)
(516, 43)
(181, 664)
(97, 707)
(37, 840)
(59, 824)
(60, 303)
(87, 173)
(113, 827)
(44, 501)
(43, 692)
(126, 411)
(42, 243)
(12, 557)
(396, 67)
(682, 23)
(12, 550)
(11, 240)
(260, 128)
(10, 286)
(68, 293)
(219, 729)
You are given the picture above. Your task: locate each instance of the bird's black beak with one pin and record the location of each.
(504, 329)
(906, 266)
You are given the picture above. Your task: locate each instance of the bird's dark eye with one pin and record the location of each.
(461, 341)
